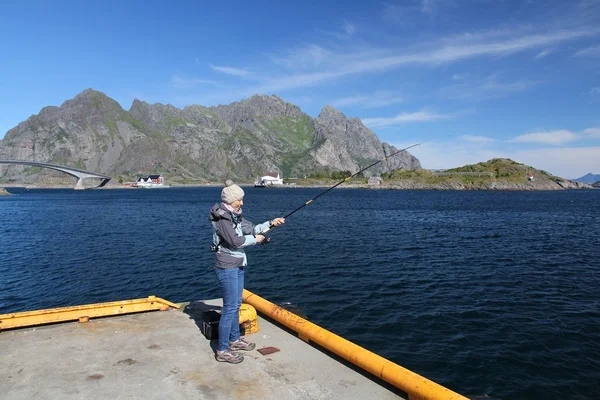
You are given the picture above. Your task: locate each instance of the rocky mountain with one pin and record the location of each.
(589, 178)
(494, 174)
(241, 140)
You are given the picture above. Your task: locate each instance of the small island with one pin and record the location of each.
(495, 174)
(3, 192)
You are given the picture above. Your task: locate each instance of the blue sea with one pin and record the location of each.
(484, 292)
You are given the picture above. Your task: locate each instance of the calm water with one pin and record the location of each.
(483, 292)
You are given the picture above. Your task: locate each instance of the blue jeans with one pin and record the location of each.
(231, 281)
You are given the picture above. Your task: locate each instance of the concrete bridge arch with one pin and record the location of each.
(77, 173)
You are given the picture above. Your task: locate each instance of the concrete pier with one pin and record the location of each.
(163, 355)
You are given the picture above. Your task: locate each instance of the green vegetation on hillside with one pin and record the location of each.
(480, 174)
(502, 168)
(495, 170)
(296, 132)
(240, 138)
(291, 160)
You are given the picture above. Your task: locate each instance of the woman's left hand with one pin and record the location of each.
(278, 221)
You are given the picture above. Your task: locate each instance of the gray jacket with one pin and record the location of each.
(232, 233)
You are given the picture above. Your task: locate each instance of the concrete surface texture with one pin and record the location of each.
(163, 355)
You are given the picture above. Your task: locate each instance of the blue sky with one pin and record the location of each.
(478, 78)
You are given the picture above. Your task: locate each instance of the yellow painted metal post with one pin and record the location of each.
(414, 384)
(248, 319)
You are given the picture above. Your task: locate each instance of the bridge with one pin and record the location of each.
(77, 173)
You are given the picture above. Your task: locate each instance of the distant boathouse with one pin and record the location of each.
(271, 178)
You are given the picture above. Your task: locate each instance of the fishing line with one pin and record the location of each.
(342, 181)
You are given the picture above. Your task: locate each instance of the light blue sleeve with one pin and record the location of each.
(249, 240)
(260, 228)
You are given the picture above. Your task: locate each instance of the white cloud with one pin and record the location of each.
(431, 6)
(419, 116)
(427, 6)
(566, 162)
(475, 45)
(543, 54)
(377, 99)
(593, 132)
(349, 28)
(402, 15)
(186, 83)
(313, 65)
(334, 65)
(477, 139)
(595, 91)
(521, 85)
(343, 34)
(550, 137)
(589, 51)
(484, 88)
(292, 82)
(459, 77)
(230, 70)
(306, 57)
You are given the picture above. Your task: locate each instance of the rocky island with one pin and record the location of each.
(495, 174)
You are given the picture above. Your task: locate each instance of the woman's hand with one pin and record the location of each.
(278, 221)
(260, 238)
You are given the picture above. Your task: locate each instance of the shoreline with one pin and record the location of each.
(405, 185)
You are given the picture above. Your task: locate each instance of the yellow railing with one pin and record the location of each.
(84, 312)
(416, 386)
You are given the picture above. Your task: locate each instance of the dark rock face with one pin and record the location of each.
(241, 140)
(347, 144)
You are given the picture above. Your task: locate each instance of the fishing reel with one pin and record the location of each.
(267, 240)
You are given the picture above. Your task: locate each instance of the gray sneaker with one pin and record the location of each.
(242, 345)
(229, 356)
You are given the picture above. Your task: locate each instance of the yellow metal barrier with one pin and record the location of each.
(83, 312)
(417, 387)
(248, 319)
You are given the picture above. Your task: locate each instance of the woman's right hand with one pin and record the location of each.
(278, 221)
(260, 238)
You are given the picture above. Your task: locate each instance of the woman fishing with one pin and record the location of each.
(231, 234)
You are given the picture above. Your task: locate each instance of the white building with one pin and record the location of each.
(271, 178)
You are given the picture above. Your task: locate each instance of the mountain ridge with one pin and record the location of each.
(240, 140)
(589, 178)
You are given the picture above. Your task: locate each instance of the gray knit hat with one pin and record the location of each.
(231, 192)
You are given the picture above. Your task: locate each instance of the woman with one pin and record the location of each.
(231, 234)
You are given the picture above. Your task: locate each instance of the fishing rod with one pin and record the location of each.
(340, 182)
